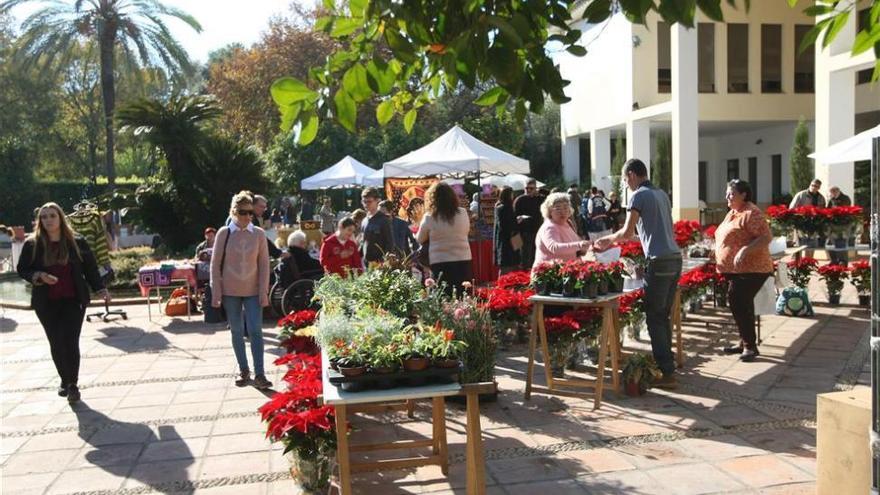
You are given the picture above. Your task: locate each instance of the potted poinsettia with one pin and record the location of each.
(546, 278)
(590, 275)
(799, 271)
(562, 340)
(614, 272)
(860, 277)
(639, 372)
(571, 281)
(833, 275)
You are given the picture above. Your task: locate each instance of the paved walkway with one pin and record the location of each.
(160, 413)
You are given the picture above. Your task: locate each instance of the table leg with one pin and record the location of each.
(615, 349)
(188, 309)
(476, 467)
(439, 423)
(410, 408)
(149, 304)
(530, 370)
(545, 348)
(604, 342)
(342, 454)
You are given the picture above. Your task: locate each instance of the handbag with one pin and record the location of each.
(516, 241)
(178, 303)
(794, 301)
(212, 314)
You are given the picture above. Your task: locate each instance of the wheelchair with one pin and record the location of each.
(292, 290)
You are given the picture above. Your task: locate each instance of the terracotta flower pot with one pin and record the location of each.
(353, 370)
(633, 389)
(415, 364)
(446, 363)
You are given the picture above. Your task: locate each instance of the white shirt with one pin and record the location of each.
(234, 227)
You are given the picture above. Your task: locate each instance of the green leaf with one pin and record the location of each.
(357, 7)
(380, 76)
(636, 10)
(792, 3)
(346, 109)
(576, 50)
(384, 112)
(597, 11)
(288, 90)
(490, 97)
(508, 33)
(401, 47)
(355, 83)
(323, 24)
(866, 39)
(817, 10)
(344, 26)
(409, 120)
(812, 34)
(712, 9)
(309, 128)
(289, 114)
(839, 21)
(329, 5)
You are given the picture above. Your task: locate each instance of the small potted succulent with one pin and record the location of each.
(833, 275)
(860, 277)
(546, 278)
(639, 372)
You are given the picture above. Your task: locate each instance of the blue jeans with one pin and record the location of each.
(253, 312)
(661, 281)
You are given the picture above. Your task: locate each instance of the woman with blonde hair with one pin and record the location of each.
(62, 269)
(445, 228)
(240, 282)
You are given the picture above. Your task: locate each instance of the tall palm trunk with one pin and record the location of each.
(107, 38)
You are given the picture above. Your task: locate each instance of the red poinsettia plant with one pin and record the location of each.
(844, 215)
(687, 232)
(860, 276)
(294, 416)
(589, 320)
(508, 304)
(709, 232)
(561, 328)
(834, 275)
(632, 250)
(295, 335)
(696, 282)
(801, 269)
(517, 280)
(547, 274)
(590, 272)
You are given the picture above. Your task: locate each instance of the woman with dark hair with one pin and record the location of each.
(506, 257)
(742, 255)
(445, 227)
(61, 267)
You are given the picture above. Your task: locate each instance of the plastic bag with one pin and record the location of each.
(765, 299)
(794, 301)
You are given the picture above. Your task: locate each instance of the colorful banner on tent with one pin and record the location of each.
(408, 196)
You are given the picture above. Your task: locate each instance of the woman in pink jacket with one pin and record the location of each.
(556, 239)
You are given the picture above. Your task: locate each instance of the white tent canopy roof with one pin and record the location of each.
(456, 153)
(348, 172)
(852, 149)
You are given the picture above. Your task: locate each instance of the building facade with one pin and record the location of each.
(728, 96)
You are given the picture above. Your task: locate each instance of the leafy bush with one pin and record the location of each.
(125, 264)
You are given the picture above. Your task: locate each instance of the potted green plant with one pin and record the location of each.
(833, 275)
(860, 278)
(414, 348)
(384, 360)
(446, 349)
(639, 372)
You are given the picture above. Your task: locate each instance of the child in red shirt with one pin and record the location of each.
(339, 252)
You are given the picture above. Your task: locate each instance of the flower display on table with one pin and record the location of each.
(839, 222)
(297, 331)
(843, 221)
(687, 232)
(833, 275)
(860, 278)
(295, 418)
(509, 309)
(573, 277)
(546, 278)
(800, 270)
(695, 283)
(615, 272)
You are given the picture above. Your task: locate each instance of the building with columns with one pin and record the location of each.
(728, 96)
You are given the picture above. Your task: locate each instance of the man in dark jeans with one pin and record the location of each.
(376, 228)
(650, 214)
(527, 209)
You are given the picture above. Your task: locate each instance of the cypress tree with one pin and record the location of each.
(801, 168)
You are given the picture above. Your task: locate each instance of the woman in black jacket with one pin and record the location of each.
(61, 267)
(506, 258)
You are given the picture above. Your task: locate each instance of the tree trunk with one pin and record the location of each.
(107, 38)
(93, 161)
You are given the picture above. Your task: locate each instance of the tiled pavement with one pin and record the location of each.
(160, 414)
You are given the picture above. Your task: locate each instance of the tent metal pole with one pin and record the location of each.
(875, 317)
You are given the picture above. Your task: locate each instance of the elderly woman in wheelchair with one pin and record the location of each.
(295, 277)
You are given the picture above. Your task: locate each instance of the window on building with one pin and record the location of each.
(585, 162)
(804, 63)
(706, 57)
(771, 58)
(732, 169)
(863, 76)
(737, 58)
(703, 180)
(664, 58)
(776, 166)
(753, 177)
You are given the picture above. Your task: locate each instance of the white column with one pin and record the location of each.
(638, 141)
(571, 159)
(600, 157)
(685, 124)
(835, 110)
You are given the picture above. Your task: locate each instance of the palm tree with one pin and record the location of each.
(134, 27)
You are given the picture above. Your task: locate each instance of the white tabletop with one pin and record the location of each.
(575, 300)
(334, 395)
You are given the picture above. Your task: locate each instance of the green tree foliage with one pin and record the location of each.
(800, 166)
(617, 165)
(17, 184)
(201, 170)
(135, 29)
(661, 166)
(410, 53)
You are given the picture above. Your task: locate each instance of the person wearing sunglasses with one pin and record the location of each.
(527, 209)
(240, 282)
(62, 269)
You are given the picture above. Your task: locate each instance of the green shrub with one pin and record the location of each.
(126, 263)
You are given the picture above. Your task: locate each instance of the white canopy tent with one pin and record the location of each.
(348, 172)
(852, 149)
(456, 154)
(514, 181)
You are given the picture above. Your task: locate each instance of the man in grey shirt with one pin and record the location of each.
(650, 214)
